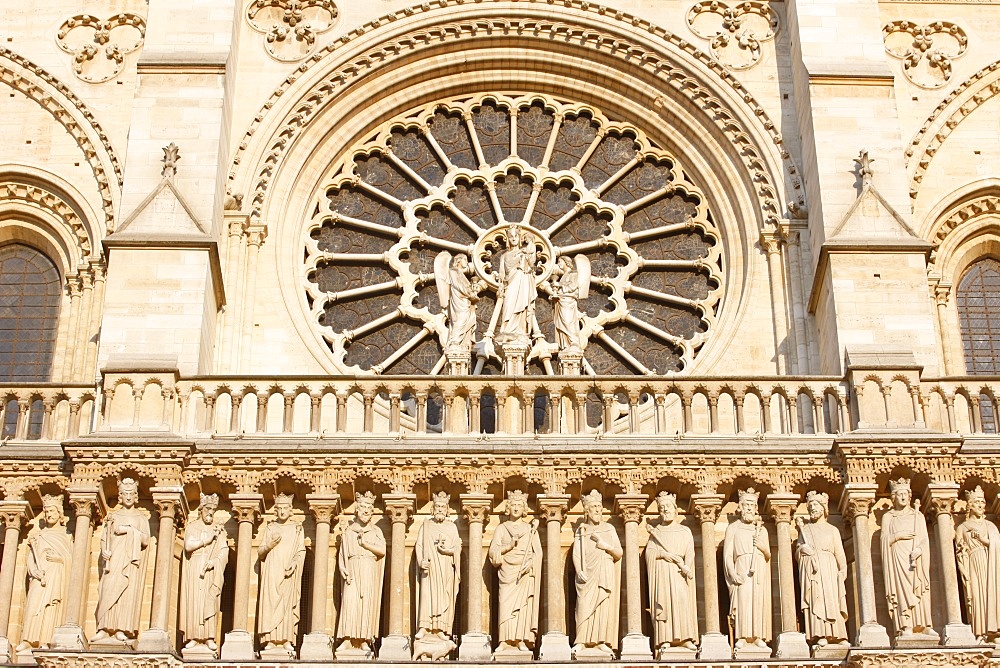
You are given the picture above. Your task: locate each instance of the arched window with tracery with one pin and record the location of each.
(978, 300)
(29, 313)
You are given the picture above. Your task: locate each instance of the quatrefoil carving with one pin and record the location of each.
(927, 51)
(99, 46)
(735, 32)
(290, 27)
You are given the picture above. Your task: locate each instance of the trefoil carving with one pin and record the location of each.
(99, 46)
(735, 32)
(290, 27)
(927, 51)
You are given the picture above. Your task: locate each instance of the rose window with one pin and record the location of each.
(512, 225)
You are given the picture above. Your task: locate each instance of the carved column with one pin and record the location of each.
(555, 642)
(855, 505)
(317, 645)
(791, 643)
(940, 501)
(475, 644)
(168, 501)
(12, 513)
(714, 644)
(86, 502)
(771, 243)
(238, 643)
(942, 291)
(396, 645)
(635, 646)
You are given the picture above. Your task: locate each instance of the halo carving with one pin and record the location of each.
(453, 178)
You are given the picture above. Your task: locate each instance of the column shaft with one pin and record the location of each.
(238, 644)
(555, 642)
(855, 506)
(475, 645)
(156, 638)
(13, 515)
(940, 500)
(396, 646)
(634, 646)
(316, 646)
(714, 645)
(70, 634)
(791, 643)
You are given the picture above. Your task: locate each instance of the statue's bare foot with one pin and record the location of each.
(212, 645)
(121, 637)
(822, 642)
(741, 643)
(288, 646)
(23, 647)
(689, 644)
(100, 635)
(760, 643)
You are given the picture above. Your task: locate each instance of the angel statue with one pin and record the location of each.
(570, 283)
(458, 296)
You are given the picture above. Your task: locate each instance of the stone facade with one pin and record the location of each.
(578, 314)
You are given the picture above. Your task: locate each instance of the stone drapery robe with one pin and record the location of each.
(566, 311)
(518, 599)
(907, 589)
(125, 555)
(437, 588)
(598, 578)
(673, 602)
(979, 565)
(461, 310)
(50, 553)
(281, 582)
(362, 571)
(517, 275)
(822, 577)
(201, 589)
(750, 602)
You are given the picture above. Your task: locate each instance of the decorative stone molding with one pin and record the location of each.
(968, 96)
(290, 27)
(736, 32)
(71, 112)
(99, 46)
(615, 45)
(927, 51)
(971, 210)
(910, 658)
(44, 199)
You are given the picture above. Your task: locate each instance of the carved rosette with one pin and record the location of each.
(99, 46)
(290, 27)
(735, 32)
(926, 51)
(455, 176)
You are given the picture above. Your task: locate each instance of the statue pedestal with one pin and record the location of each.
(514, 354)
(347, 652)
(279, 653)
(199, 652)
(570, 362)
(507, 654)
(676, 654)
(4, 650)
(154, 641)
(715, 647)
(792, 645)
(915, 640)
(474, 647)
(872, 635)
(395, 648)
(555, 647)
(316, 647)
(751, 652)
(25, 657)
(459, 362)
(959, 635)
(238, 646)
(836, 652)
(635, 647)
(69, 637)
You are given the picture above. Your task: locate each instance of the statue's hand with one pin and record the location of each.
(43, 580)
(807, 550)
(760, 542)
(739, 579)
(905, 535)
(348, 579)
(524, 571)
(425, 565)
(506, 546)
(290, 571)
(915, 554)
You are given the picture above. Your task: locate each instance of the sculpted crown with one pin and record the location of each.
(749, 494)
(902, 483)
(822, 497)
(210, 500)
(517, 495)
(976, 494)
(284, 498)
(666, 499)
(442, 497)
(52, 500)
(128, 484)
(365, 498)
(594, 498)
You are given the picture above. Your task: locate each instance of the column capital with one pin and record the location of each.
(553, 506)
(169, 501)
(940, 498)
(476, 506)
(857, 500)
(631, 506)
(323, 506)
(707, 506)
(13, 513)
(399, 507)
(782, 506)
(246, 507)
(87, 502)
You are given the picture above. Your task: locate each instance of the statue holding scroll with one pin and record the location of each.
(822, 574)
(978, 544)
(50, 553)
(516, 553)
(438, 551)
(361, 561)
(123, 576)
(282, 553)
(673, 602)
(906, 563)
(597, 552)
(206, 553)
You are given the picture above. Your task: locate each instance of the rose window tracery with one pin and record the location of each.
(512, 226)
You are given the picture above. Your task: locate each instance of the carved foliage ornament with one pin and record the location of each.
(455, 176)
(290, 27)
(735, 32)
(99, 46)
(927, 51)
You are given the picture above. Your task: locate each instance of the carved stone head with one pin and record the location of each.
(364, 508)
(517, 504)
(440, 504)
(818, 504)
(52, 510)
(748, 504)
(128, 492)
(593, 506)
(976, 502)
(283, 507)
(900, 490)
(208, 504)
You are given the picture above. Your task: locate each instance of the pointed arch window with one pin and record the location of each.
(978, 300)
(29, 313)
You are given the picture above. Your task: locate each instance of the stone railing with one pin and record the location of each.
(46, 412)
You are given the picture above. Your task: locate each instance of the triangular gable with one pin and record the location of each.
(164, 213)
(872, 218)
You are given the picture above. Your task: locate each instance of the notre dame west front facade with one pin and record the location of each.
(632, 332)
